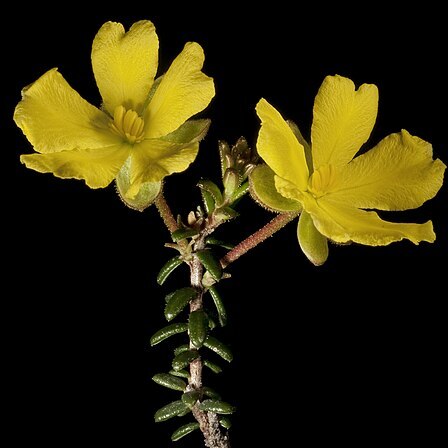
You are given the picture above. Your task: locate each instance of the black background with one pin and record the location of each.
(351, 352)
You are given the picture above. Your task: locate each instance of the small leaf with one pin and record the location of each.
(178, 301)
(225, 214)
(240, 192)
(211, 323)
(219, 348)
(182, 234)
(184, 430)
(167, 269)
(209, 202)
(197, 328)
(211, 263)
(169, 381)
(190, 398)
(187, 411)
(180, 373)
(212, 188)
(181, 348)
(214, 242)
(168, 296)
(207, 280)
(183, 359)
(225, 422)
(222, 314)
(263, 191)
(313, 244)
(212, 366)
(209, 392)
(166, 332)
(216, 406)
(174, 409)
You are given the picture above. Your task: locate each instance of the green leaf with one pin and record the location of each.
(211, 323)
(169, 381)
(181, 234)
(240, 192)
(166, 332)
(211, 263)
(197, 327)
(181, 348)
(209, 392)
(263, 191)
(209, 202)
(219, 348)
(222, 314)
(214, 242)
(174, 409)
(187, 411)
(211, 188)
(178, 301)
(190, 398)
(216, 406)
(191, 131)
(168, 268)
(184, 430)
(145, 197)
(313, 244)
(180, 373)
(225, 214)
(183, 359)
(225, 422)
(212, 366)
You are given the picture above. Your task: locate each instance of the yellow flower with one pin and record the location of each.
(142, 128)
(336, 191)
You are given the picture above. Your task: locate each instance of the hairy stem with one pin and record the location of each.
(258, 237)
(165, 213)
(214, 435)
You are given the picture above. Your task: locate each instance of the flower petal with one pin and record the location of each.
(125, 64)
(344, 223)
(343, 119)
(398, 174)
(288, 190)
(183, 92)
(98, 167)
(152, 160)
(279, 147)
(54, 117)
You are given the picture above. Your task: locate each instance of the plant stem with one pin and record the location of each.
(214, 435)
(258, 237)
(165, 213)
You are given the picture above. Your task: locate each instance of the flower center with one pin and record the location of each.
(128, 124)
(321, 181)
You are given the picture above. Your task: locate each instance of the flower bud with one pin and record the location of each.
(231, 181)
